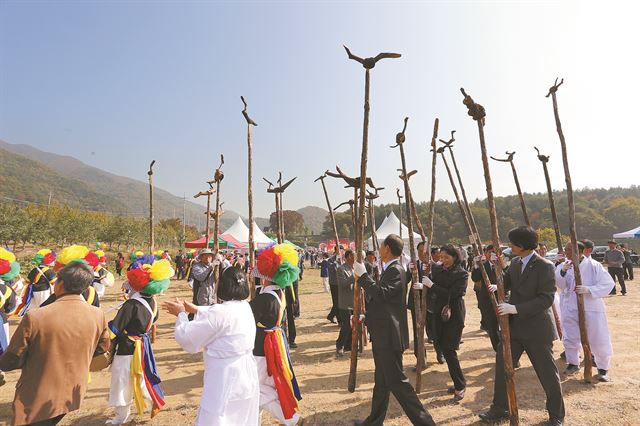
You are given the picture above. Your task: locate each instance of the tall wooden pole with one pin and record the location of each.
(218, 176)
(417, 301)
(252, 259)
(544, 159)
(523, 206)
(331, 215)
(279, 227)
(477, 112)
(400, 208)
(208, 224)
(368, 64)
(151, 233)
(431, 212)
(575, 258)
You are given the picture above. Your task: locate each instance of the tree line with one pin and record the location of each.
(599, 214)
(57, 226)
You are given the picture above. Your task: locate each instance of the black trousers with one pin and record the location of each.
(488, 318)
(628, 271)
(389, 378)
(541, 356)
(194, 299)
(455, 371)
(616, 272)
(296, 304)
(344, 337)
(49, 422)
(333, 313)
(291, 322)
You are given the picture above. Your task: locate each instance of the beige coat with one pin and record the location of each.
(54, 346)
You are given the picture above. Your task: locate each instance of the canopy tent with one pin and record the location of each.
(632, 233)
(200, 243)
(232, 242)
(240, 232)
(391, 225)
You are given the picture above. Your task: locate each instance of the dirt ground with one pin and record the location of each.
(323, 377)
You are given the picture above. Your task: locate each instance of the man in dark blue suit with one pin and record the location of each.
(531, 281)
(386, 320)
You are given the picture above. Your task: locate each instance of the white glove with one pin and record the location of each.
(359, 269)
(427, 282)
(566, 266)
(493, 288)
(582, 290)
(507, 309)
(417, 285)
(560, 257)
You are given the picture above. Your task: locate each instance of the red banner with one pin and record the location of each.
(331, 245)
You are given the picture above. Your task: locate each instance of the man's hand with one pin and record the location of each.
(507, 309)
(493, 288)
(566, 266)
(580, 289)
(359, 269)
(174, 307)
(189, 307)
(427, 282)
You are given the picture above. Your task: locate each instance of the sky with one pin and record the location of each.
(116, 84)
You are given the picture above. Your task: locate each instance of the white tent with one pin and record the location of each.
(632, 233)
(391, 225)
(240, 232)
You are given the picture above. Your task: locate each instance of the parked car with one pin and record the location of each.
(551, 254)
(598, 253)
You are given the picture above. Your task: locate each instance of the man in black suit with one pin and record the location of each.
(387, 323)
(531, 280)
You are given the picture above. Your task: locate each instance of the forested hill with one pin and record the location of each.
(599, 214)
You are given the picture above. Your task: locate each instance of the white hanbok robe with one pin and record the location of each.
(599, 283)
(226, 332)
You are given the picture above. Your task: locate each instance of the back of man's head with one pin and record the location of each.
(394, 243)
(76, 277)
(588, 244)
(524, 237)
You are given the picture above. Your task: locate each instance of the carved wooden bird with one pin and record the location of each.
(369, 63)
(450, 141)
(400, 138)
(246, 114)
(205, 193)
(543, 158)
(350, 181)
(505, 160)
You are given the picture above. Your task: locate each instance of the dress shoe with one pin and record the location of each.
(494, 415)
(555, 422)
(458, 395)
(441, 359)
(602, 376)
(293, 345)
(571, 369)
(339, 353)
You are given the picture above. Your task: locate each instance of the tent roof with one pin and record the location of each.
(240, 232)
(200, 242)
(391, 225)
(632, 233)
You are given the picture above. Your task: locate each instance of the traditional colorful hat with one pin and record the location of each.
(279, 264)
(149, 275)
(9, 267)
(102, 258)
(45, 257)
(158, 254)
(76, 253)
(191, 253)
(136, 254)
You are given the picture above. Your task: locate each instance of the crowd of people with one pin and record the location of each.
(246, 341)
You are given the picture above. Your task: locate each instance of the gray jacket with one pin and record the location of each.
(346, 280)
(614, 258)
(203, 285)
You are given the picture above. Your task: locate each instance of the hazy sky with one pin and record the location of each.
(117, 84)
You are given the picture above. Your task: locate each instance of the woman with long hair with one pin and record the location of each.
(225, 332)
(448, 283)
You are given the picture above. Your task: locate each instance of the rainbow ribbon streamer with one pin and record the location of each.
(21, 309)
(279, 366)
(143, 368)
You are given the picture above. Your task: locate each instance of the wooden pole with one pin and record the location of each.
(431, 212)
(477, 112)
(252, 258)
(218, 176)
(368, 64)
(279, 228)
(151, 233)
(416, 218)
(575, 258)
(469, 223)
(207, 225)
(509, 160)
(417, 301)
(331, 215)
(400, 208)
(544, 159)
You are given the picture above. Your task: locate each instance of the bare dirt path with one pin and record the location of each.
(323, 378)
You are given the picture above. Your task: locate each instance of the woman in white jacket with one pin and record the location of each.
(226, 333)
